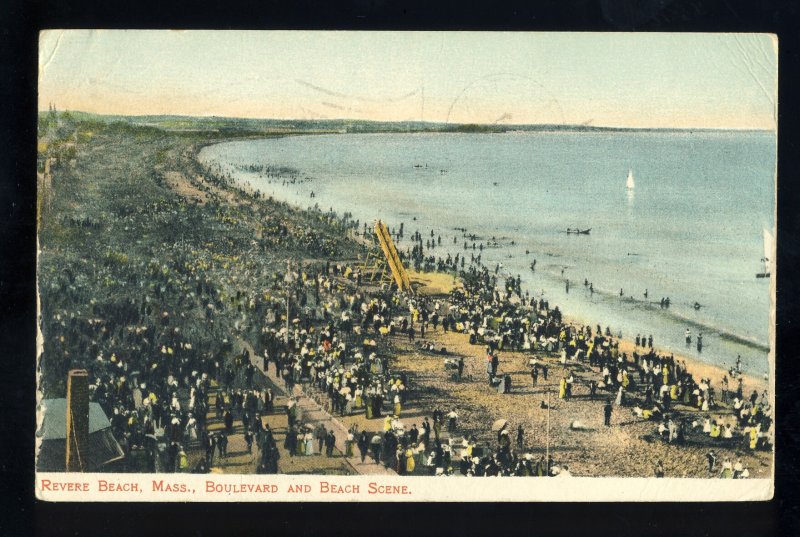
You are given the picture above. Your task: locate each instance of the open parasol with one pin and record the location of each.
(499, 425)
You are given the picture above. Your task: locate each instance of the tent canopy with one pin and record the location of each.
(55, 419)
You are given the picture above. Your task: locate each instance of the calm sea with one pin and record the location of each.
(691, 229)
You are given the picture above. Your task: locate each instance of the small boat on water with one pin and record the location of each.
(629, 184)
(768, 259)
(577, 231)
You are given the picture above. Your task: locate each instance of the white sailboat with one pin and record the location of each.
(769, 255)
(629, 183)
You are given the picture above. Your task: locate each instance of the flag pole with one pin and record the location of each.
(288, 269)
(547, 449)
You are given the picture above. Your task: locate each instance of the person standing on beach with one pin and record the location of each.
(351, 438)
(659, 470)
(269, 400)
(223, 445)
(330, 442)
(700, 342)
(688, 336)
(534, 374)
(426, 431)
(375, 446)
(495, 363)
(363, 445)
(320, 433)
(228, 420)
(712, 460)
(725, 389)
(620, 399)
(607, 409)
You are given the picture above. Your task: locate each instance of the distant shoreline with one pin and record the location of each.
(272, 126)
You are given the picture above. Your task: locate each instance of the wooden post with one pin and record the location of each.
(288, 280)
(547, 449)
(77, 414)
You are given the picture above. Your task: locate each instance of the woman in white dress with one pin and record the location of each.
(191, 429)
(308, 438)
(707, 426)
(618, 400)
(348, 407)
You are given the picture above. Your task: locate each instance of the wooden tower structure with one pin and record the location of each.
(388, 267)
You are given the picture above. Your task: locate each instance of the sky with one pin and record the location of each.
(613, 79)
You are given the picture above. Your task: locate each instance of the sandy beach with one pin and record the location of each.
(628, 448)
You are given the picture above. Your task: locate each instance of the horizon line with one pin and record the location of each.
(427, 122)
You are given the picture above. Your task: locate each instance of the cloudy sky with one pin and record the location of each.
(635, 80)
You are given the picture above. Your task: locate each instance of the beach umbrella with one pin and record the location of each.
(499, 425)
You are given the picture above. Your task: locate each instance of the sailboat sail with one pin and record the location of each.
(629, 183)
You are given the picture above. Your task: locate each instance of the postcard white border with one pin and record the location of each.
(93, 487)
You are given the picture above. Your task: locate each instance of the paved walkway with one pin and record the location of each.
(313, 414)
(240, 461)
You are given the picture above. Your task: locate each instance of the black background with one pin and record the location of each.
(22, 515)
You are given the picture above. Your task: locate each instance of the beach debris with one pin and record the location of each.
(577, 425)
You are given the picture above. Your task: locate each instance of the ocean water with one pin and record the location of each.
(690, 230)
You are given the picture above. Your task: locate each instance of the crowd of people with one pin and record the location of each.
(158, 324)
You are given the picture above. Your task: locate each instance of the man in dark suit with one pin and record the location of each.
(330, 442)
(228, 419)
(321, 435)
